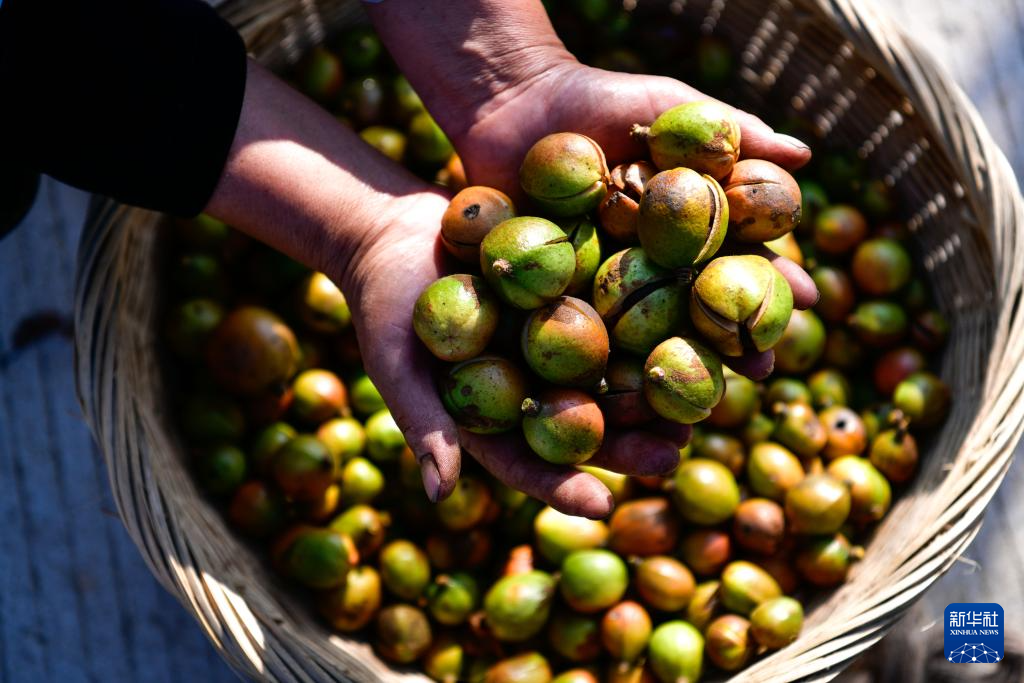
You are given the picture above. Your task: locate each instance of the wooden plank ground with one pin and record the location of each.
(76, 601)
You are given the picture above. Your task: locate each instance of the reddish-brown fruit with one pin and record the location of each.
(618, 211)
(664, 583)
(846, 432)
(706, 551)
(472, 214)
(895, 366)
(764, 201)
(623, 403)
(648, 526)
(759, 525)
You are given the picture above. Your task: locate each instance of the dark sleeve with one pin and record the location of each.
(135, 99)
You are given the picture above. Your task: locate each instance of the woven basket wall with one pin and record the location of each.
(840, 64)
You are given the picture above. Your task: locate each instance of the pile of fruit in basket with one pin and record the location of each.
(624, 311)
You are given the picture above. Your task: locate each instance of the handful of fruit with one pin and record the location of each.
(623, 341)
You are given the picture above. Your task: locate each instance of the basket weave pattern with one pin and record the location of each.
(845, 68)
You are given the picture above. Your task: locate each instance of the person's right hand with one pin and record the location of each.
(382, 281)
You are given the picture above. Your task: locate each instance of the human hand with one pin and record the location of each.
(382, 282)
(603, 105)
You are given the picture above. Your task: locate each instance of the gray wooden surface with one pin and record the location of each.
(76, 601)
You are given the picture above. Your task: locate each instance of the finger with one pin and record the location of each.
(403, 376)
(638, 453)
(756, 365)
(759, 141)
(678, 434)
(805, 292)
(567, 490)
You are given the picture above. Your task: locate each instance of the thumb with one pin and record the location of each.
(403, 375)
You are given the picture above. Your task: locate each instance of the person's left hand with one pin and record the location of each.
(604, 105)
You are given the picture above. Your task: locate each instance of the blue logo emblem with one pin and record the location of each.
(973, 632)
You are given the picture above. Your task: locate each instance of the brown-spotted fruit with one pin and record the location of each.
(683, 218)
(403, 633)
(565, 174)
(764, 201)
(455, 317)
(619, 210)
(527, 261)
(623, 402)
(702, 135)
(473, 213)
(565, 343)
(683, 380)
(485, 394)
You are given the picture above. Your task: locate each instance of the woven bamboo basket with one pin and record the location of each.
(840, 64)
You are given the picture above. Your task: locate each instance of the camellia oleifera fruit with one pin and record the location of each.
(702, 135)
(528, 261)
(683, 218)
(565, 174)
(683, 380)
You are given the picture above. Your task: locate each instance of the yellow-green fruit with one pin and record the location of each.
(745, 586)
(387, 141)
(361, 481)
(676, 652)
(870, 493)
(565, 174)
(303, 468)
(455, 317)
(729, 643)
(467, 505)
(517, 606)
(528, 667)
(923, 398)
(777, 622)
(319, 558)
(427, 141)
(322, 306)
(626, 630)
(772, 470)
(452, 598)
(682, 219)
(575, 636)
(405, 569)
(563, 426)
(528, 261)
(344, 437)
(741, 304)
(683, 380)
(640, 302)
(565, 342)
(702, 135)
(384, 440)
(801, 344)
(740, 402)
(585, 242)
(485, 395)
(558, 534)
(350, 606)
(403, 633)
(319, 395)
(593, 580)
(366, 527)
(190, 324)
(445, 660)
(819, 504)
(705, 491)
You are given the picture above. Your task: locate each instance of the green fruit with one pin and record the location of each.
(266, 444)
(221, 469)
(407, 102)
(894, 453)
(664, 583)
(798, 428)
(364, 396)
(729, 643)
(584, 240)
(801, 344)
(787, 390)
(388, 141)
(471, 214)
(198, 274)
(565, 342)
(829, 387)
(467, 506)
(813, 201)
(517, 606)
(759, 525)
(625, 631)
(190, 324)
(593, 580)
(361, 481)
(344, 437)
(565, 174)
(427, 141)
(819, 504)
(878, 323)
(676, 652)
(252, 351)
(738, 405)
(759, 428)
(777, 623)
(528, 261)
(870, 493)
(405, 569)
(705, 492)
(322, 306)
(366, 527)
(640, 302)
(575, 636)
(403, 633)
(485, 395)
(923, 398)
(740, 304)
(319, 396)
(452, 598)
(575, 676)
(350, 606)
(825, 561)
(702, 135)
(559, 534)
(445, 660)
(682, 219)
(683, 380)
(204, 232)
(528, 667)
(455, 317)
(764, 201)
(384, 440)
(257, 510)
(881, 266)
(839, 229)
(319, 558)
(303, 468)
(207, 418)
(773, 470)
(361, 49)
(563, 426)
(706, 603)
(745, 586)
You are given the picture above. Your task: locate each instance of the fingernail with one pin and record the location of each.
(816, 299)
(431, 477)
(792, 142)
